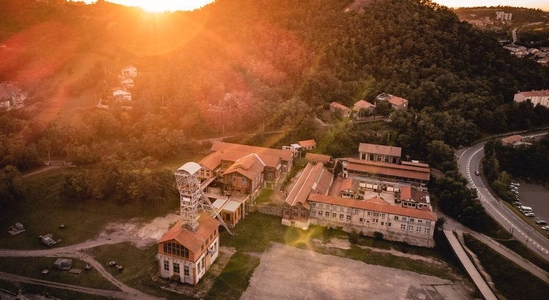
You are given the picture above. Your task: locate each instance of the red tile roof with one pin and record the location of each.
(250, 166)
(387, 169)
(315, 157)
(192, 240)
(338, 105)
(362, 104)
(397, 101)
(226, 147)
(314, 178)
(307, 143)
(374, 204)
(410, 193)
(212, 161)
(511, 139)
(544, 93)
(379, 149)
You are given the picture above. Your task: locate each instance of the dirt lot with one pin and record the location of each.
(290, 273)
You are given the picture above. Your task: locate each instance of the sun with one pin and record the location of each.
(164, 5)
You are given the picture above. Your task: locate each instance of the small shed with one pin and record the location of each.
(63, 264)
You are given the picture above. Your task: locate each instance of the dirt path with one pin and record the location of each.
(141, 235)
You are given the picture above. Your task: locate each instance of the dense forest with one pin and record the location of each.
(250, 66)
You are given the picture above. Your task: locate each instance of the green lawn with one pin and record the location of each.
(43, 210)
(235, 278)
(264, 196)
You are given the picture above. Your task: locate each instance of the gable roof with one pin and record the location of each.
(375, 204)
(511, 139)
(397, 101)
(314, 178)
(226, 147)
(387, 169)
(129, 67)
(363, 104)
(315, 157)
(338, 105)
(542, 93)
(379, 149)
(249, 166)
(212, 161)
(192, 240)
(307, 143)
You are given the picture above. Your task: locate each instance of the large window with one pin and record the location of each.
(176, 268)
(176, 249)
(166, 265)
(186, 270)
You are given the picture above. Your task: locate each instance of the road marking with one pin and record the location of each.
(523, 234)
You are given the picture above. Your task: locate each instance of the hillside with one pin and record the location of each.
(248, 65)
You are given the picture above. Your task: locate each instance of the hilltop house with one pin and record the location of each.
(536, 97)
(11, 96)
(127, 83)
(338, 108)
(121, 95)
(362, 109)
(129, 71)
(396, 102)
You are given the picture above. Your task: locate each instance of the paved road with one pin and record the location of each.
(469, 161)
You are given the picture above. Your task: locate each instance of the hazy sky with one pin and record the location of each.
(163, 5)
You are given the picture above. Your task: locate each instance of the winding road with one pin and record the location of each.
(469, 160)
(75, 251)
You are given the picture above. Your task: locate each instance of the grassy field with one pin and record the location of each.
(510, 279)
(257, 231)
(32, 267)
(43, 290)
(43, 211)
(264, 196)
(235, 278)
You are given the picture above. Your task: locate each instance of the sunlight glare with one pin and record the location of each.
(164, 5)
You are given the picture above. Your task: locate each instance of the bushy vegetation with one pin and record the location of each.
(244, 66)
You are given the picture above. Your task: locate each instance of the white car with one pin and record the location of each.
(530, 214)
(545, 227)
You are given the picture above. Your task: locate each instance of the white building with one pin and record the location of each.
(537, 97)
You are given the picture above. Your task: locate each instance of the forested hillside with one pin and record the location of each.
(251, 65)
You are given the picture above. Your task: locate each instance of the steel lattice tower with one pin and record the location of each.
(192, 198)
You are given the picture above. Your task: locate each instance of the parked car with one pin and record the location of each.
(529, 214)
(545, 227)
(541, 222)
(515, 183)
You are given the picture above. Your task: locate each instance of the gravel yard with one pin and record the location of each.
(290, 273)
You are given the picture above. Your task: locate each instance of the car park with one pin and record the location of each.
(541, 222)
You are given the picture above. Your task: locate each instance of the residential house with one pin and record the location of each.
(375, 215)
(185, 255)
(536, 97)
(380, 153)
(127, 83)
(307, 145)
(514, 140)
(396, 102)
(293, 148)
(11, 96)
(344, 111)
(129, 71)
(121, 95)
(362, 109)
(296, 210)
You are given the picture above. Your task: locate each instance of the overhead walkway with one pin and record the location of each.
(479, 281)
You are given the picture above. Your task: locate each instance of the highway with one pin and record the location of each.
(469, 161)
